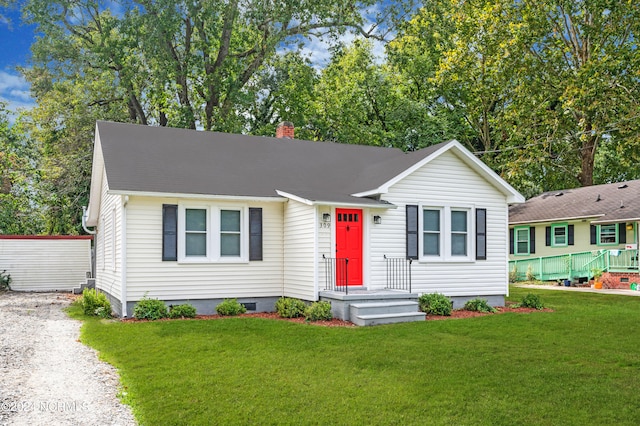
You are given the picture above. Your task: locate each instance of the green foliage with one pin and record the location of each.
(530, 275)
(182, 311)
(230, 307)
(150, 309)
(478, 305)
(95, 303)
(435, 304)
(290, 308)
(513, 274)
(5, 280)
(318, 311)
(531, 300)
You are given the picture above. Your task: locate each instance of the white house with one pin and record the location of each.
(192, 216)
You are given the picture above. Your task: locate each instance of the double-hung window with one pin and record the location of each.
(446, 233)
(212, 233)
(608, 234)
(195, 234)
(522, 241)
(230, 234)
(559, 235)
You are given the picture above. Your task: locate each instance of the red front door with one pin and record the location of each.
(349, 243)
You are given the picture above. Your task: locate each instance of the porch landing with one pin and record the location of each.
(373, 307)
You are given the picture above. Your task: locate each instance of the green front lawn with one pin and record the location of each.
(577, 365)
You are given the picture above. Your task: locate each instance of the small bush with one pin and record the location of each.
(230, 307)
(435, 304)
(478, 305)
(531, 301)
(290, 308)
(513, 274)
(182, 311)
(318, 311)
(151, 309)
(530, 274)
(95, 304)
(5, 280)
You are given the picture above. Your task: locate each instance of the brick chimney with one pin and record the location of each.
(285, 130)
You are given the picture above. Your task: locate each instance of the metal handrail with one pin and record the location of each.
(398, 273)
(336, 272)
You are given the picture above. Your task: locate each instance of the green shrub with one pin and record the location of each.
(530, 274)
(513, 274)
(290, 308)
(318, 311)
(182, 311)
(435, 304)
(478, 305)
(151, 309)
(5, 280)
(230, 307)
(531, 301)
(95, 303)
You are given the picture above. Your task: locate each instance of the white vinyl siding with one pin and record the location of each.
(45, 264)
(108, 243)
(171, 280)
(445, 181)
(300, 237)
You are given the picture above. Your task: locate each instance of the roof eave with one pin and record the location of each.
(335, 203)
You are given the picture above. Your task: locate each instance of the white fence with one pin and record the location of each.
(45, 263)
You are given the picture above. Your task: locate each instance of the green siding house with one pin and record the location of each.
(566, 234)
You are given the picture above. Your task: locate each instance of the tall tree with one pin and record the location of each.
(19, 213)
(537, 88)
(180, 63)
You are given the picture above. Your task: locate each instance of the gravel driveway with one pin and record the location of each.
(47, 377)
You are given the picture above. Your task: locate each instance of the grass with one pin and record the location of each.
(577, 365)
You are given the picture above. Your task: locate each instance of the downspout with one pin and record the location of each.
(84, 222)
(123, 255)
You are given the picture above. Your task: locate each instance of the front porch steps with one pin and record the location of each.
(389, 312)
(373, 307)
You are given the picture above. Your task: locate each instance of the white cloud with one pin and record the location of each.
(14, 92)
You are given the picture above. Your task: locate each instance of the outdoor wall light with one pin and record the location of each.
(326, 217)
(377, 220)
(629, 226)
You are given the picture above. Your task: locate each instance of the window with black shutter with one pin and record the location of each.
(255, 233)
(412, 231)
(481, 234)
(169, 232)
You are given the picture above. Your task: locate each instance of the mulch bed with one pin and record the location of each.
(456, 314)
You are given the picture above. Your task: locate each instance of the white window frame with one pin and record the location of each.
(213, 233)
(446, 233)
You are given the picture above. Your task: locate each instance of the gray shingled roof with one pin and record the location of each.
(166, 160)
(615, 202)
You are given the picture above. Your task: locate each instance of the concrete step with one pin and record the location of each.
(90, 283)
(386, 307)
(378, 319)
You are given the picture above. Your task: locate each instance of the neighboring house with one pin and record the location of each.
(596, 225)
(192, 216)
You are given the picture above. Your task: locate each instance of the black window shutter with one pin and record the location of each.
(512, 236)
(169, 232)
(547, 234)
(255, 233)
(481, 234)
(594, 234)
(532, 240)
(570, 235)
(622, 233)
(412, 231)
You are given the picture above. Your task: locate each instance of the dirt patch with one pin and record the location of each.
(460, 313)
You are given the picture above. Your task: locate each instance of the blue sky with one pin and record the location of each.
(15, 39)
